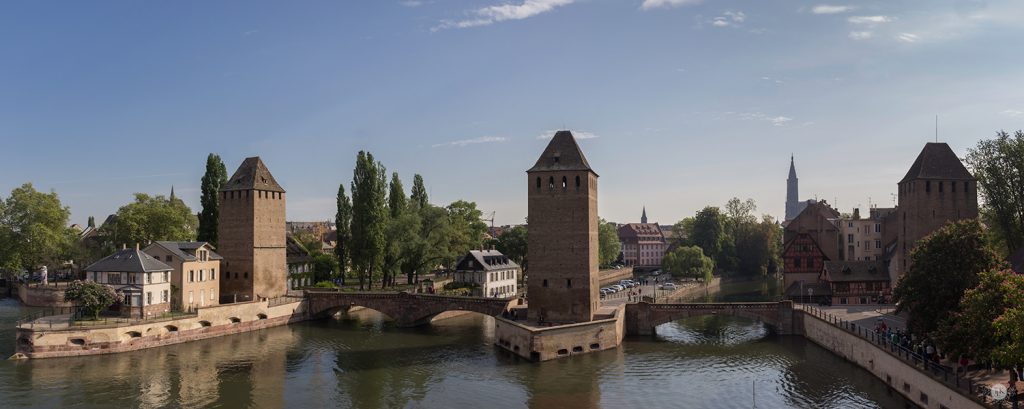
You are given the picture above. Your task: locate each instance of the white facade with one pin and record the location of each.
(495, 283)
(140, 290)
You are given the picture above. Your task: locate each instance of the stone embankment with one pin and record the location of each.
(62, 337)
(37, 295)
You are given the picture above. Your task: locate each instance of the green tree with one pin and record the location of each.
(708, 232)
(33, 229)
(216, 176)
(369, 217)
(608, 245)
(682, 231)
(151, 218)
(998, 164)
(513, 243)
(973, 331)
(466, 229)
(398, 232)
(945, 264)
(688, 262)
(432, 244)
(92, 222)
(1009, 328)
(324, 265)
(90, 295)
(342, 221)
(419, 193)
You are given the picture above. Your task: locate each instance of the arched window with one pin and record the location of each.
(538, 182)
(577, 182)
(564, 183)
(551, 182)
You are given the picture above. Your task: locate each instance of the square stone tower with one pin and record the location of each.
(937, 189)
(251, 234)
(562, 220)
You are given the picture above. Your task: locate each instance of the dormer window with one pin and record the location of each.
(557, 155)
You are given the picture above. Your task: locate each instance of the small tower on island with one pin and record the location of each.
(562, 205)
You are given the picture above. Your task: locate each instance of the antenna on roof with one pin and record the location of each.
(936, 128)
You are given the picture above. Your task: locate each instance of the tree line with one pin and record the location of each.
(733, 242)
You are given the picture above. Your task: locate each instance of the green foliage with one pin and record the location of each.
(90, 295)
(33, 229)
(973, 330)
(608, 246)
(92, 222)
(324, 265)
(151, 218)
(708, 231)
(998, 164)
(513, 243)
(400, 230)
(688, 261)
(325, 284)
(466, 230)
(682, 231)
(369, 217)
(945, 264)
(343, 223)
(1009, 328)
(418, 197)
(216, 176)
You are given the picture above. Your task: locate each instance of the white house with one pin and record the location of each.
(494, 273)
(143, 282)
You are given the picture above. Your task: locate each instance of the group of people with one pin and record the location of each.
(922, 347)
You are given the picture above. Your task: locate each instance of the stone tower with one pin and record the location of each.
(936, 190)
(251, 234)
(792, 192)
(562, 216)
(643, 216)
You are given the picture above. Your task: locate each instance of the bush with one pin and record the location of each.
(325, 284)
(90, 295)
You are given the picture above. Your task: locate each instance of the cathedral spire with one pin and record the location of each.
(172, 193)
(643, 217)
(792, 192)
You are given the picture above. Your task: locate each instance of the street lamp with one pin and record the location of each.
(810, 294)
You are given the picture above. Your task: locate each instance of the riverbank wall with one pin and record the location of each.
(915, 384)
(34, 341)
(613, 276)
(539, 343)
(34, 295)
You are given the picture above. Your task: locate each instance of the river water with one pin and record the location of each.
(362, 361)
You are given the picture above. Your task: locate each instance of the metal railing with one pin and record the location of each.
(940, 372)
(29, 321)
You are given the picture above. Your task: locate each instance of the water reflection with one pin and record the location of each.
(362, 361)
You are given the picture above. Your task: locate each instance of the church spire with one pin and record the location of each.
(643, 217)
(792, 168)
(792, 192)
(172, 193)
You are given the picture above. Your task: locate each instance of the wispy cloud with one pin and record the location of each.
(775, 120)
(830, 9)
(576, 134)
(1013, 113)
(664, 4)
(869, 20)
(412, 3)
(908, 37)
(493, 14)
(774, 80)
(729, 18)
(464, 142)
(860, 35)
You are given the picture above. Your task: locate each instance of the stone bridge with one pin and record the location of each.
(641, 318)
(405, 308)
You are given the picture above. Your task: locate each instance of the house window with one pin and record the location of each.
(849, 238)
(149, 278)
(796, 262)
(211, 294)
(878, 227)
(842, 300)
(878, 244)
(213, 274)
(200, 275)
(149, 297)
(167, 276)
(191, 276)
(114, 278)
(131, 278)
(164, 297)
(168, 258)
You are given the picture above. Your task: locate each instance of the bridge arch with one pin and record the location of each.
(405, 308)
(642, 318)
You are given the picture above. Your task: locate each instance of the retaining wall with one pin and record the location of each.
(914, 384)
(42, 296)
(209, 322)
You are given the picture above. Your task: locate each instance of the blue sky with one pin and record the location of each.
(684, 103)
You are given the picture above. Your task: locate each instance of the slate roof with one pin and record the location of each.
(252, 174)
(130, 260)
(488, 260)
(643, 231)
(937, 161)
(295, 253)
(561, 154)
(843, 271)
(186, 250)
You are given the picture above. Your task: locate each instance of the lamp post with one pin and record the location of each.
(810, 294)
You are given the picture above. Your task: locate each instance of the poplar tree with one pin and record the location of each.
(419, 193)
(369, 216)
(216, 176)
(343, 222)
(397, 234)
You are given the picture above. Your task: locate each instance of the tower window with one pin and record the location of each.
(952, 187)
(564, 183)
(568, 283)
(551, 182)
(545, 284)
(928, 186)
(940, 187)
(538, 182)
(577, 182)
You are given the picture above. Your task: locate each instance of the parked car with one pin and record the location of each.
(619, 287)
(667, 286)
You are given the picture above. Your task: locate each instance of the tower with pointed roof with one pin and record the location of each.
(643, 216)
(562, 216)
(936, 190)
(792, 192)
(251, 234)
